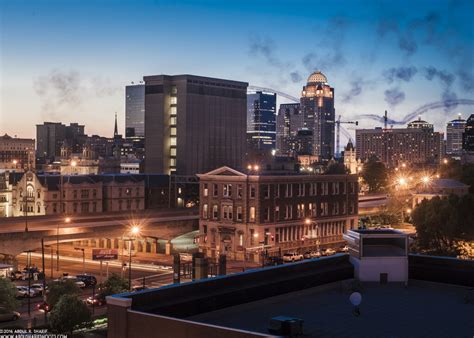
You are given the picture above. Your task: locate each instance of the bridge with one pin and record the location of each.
(106, 229)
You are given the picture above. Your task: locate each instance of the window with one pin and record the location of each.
(39, 195)
(239, 213)
(94, 193)
(252, 236)
(344, 188)
(288, 211)
(120, 205)
(94, 206)
(173, 152)
(173, 111)
(301, 189)
(84, 193)
(241, 239)
(173, 140)
(227, 212)
(174, 90)
(205, 190)
(38, 208)
(335, 208)
(277, 190)
(215, 190)
(173, 120)
(277, 213)
(215, 211)
(231, 212)
(54, 208)
(252, 191)
(55, 196)
(173, 131)
(344, 207)
(239, 190)
(336, 188)
(324, 209)
(324, 188)
(289, 190)
(351, 208)
(300, 213)
(267, 214)
(227, 190)
(313, 189)
(173, 100)
(224, 212)
(137, 204)
(74, 207)
(252, 214)
(266, 190)
(84, 207)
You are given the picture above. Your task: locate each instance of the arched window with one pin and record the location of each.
(30, 191)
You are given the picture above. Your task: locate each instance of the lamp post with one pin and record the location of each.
(66, 220)
(308, 221)
(134, 233)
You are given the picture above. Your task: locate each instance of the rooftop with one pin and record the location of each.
(421, 310)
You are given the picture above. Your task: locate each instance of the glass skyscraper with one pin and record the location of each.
(135, 111)
(261, 121)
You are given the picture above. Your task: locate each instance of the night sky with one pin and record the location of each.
(70, 60)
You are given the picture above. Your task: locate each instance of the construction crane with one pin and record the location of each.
(338, 133)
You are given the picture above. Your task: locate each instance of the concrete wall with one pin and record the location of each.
(163, 311)
(368, 269)
(441, 269)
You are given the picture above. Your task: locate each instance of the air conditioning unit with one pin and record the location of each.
(286, 326)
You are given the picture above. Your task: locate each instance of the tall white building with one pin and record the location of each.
(454, 130)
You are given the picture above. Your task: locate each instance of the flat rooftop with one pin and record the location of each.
(422, 309)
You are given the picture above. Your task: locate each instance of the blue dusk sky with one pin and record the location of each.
(70, 60)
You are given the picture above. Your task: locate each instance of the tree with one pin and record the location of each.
(8, 300)
(336, 168)
(113, 285)
(59, 289)
(70, 314)
(441, 223)
(374, 174)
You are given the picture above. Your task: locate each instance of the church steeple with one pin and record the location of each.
(115, 128)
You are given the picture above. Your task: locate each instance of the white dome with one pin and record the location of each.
(317, 77)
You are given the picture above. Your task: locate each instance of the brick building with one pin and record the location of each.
(244, 214)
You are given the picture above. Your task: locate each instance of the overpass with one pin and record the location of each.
(372, 204)
(107, 229)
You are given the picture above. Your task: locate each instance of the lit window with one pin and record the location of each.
(173, 111)
(173, 100)
(173, 131)
(173, 141)
(252, 214)
(173, 152)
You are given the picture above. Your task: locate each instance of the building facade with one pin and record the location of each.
(416, 144)
(35, 195)
(193, 123)
(135, 111)
(468, 141)
(350, 158)
(261, 122)
(241, 215)
(317, 105)
(51, 135)
(289, 122)
(16, 154)
(454, 131)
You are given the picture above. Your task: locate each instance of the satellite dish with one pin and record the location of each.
(355, 298)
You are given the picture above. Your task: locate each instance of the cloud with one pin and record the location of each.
(400, 73)
(356, 87)
(296, 77)
(394, 96)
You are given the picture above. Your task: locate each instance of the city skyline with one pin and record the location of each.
(60, 61)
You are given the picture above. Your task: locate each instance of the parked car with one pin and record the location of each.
(6, 316)
(43, 307)
(78, 282)
(328, 252)
(24, 292)
(39, 288)
(88, 280)
(97, 300)
(137, 288)
(16, 275)
(315, 254)
(292, 257)
(344, 249)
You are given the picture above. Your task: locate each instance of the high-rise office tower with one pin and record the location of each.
(289, 121)
(135, 110)
(468, 135)
(261, 122)
(454, 131)
(317, 105)
(51, 135)
(193, 124)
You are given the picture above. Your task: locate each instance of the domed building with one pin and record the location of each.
(317, 105)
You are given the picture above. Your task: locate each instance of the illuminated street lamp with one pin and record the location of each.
(402, 181)
(425, 179)
(134, 233)
(445, 161)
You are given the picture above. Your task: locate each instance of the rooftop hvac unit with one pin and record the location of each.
(286, 326)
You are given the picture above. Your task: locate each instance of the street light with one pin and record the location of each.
(308, 221)
(425, 179)
(66, 220)
(134, 232)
